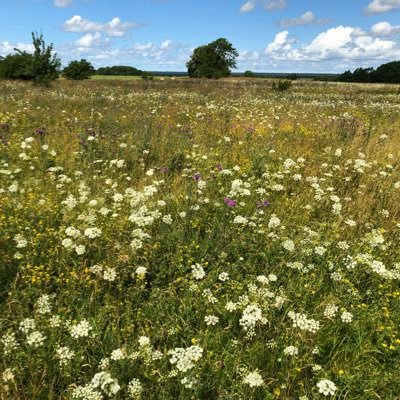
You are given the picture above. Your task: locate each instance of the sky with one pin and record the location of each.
(160, 35)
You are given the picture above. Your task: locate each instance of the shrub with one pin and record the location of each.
(78, 70)
(281, 86)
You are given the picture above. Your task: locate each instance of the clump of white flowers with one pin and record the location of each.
(198, 272)
(135, 388)
(303, 323)
(65, 355)
(82, 329)
(185, 359)
(253, 379)
(35, 339)
(326, 387)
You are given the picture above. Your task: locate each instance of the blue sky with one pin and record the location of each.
(155, 35)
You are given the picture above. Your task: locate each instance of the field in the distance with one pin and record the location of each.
(186, 239)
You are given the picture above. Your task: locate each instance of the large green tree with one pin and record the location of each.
(45, 65)
(78, 70)
(213, 60)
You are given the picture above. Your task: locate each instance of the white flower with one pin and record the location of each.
(346, 317)
(326, 387)
(21, 241)
(92, 233)
(27, 325)
(291, 351)
(185, 359)
(135, 388)
(82, 329)
(223, 276)
(109, 274)
(211, 320)
(144, 341)
(141, 271)
(9, 342)
(330, 310)
(240, 220)
(303, 323)
(72, 232)
(7, 375)
(67, 243)
(167, 219)
(65, 355)
(198, 272)
(253, 379)
(80, 249)
(288, 245)
(43, 305)
(117, 355)
(35, 339)
(274, 221)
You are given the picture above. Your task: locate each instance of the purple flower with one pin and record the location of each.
(164, 170)
(197, 176)
(263, 203)
(219, 167)
(230, 202)
(40, 131)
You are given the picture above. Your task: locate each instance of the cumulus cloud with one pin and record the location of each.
(248, 6)
(307, 18)
(382, 6)
(270, 5)
(89, 40)
(334, 44)
(115, 27)
(385, 29)
(281, 44)
(8, 48)
(273, 5)
(62, 3)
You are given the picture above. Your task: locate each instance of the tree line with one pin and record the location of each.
(386, 73)
(213, 60)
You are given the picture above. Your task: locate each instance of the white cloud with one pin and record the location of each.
(248, 6)
(89, 40)
(382, 6)
(273, 5)
(307, 18)
(62, 3)
(385, 29)
(281, 43)
(8, 48)
(166, 44)
(113, 28)
(340, 43)
(270, 5)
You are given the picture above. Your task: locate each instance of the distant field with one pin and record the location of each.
(199, 240)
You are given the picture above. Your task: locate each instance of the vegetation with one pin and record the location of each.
(213, 60)
(16, 66)
(281, 85)
(386, 73)
(119, 70)
(199, 240)
(45, 65)
(249, 74)
(78, 70)
(42, 67)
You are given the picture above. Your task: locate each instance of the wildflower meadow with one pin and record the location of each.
(193, 239)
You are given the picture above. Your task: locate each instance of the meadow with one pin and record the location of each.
(189, 239)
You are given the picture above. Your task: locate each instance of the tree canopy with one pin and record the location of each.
(386, 73)
(119, 70)
(78, 70)
(41, 67)
(213, 60)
